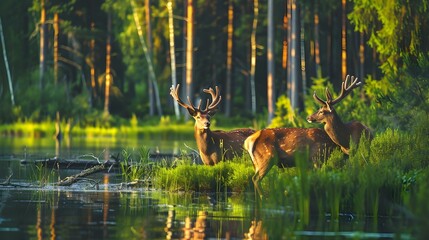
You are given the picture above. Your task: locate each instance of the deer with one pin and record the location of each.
(214, 145)
(340, 133)
(278, 146)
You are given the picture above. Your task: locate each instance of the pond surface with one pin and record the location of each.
(82, 211)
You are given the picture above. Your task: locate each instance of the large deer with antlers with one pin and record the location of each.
(212, 145)
(278, 146)
(341, 133)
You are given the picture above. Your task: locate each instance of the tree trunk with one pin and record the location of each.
(270, 62)
(316, 40)
(148, 59)
(56, 33)
(92, 65)
(189, 47)
(362, 56)
(6, 63)
(295, 60)
(302, 59)
(289, 52)
(343, 41)
(150, 86)
(285, 49)
(172, 53)
(108, 67)
(253, 55)
(43, 45)
(229, 58)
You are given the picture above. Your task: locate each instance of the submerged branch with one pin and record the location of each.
(74, 178)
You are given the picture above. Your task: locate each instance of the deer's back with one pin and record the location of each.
(285, 142)
(356, 130)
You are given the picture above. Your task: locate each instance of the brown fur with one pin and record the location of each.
(217, 145)
(277, 146)
(339, 132)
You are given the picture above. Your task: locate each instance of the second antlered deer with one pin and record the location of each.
(278, 146)
(341, 133)
(213, 146)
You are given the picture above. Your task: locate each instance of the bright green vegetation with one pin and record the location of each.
(387, 177)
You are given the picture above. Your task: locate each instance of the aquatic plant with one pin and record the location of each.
(136, 170)
(43, 175)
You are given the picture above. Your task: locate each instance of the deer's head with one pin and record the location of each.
(326, 112)
(202, 116)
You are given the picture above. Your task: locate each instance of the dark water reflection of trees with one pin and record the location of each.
(140, 214)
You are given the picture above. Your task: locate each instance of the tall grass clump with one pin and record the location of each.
(378, 176)
(43, 175)
(222, 177)
(136, 167)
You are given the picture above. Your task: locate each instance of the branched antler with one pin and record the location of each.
(346, 89)
(216, 98)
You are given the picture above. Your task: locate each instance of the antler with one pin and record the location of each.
(216, 98)
(345, 90)
(174, 92)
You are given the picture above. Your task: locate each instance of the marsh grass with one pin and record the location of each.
(136, 167)
(43, 175)
(376, 178)
(226, 176)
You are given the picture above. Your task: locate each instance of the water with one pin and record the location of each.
(110, 211)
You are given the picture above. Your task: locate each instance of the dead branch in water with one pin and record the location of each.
(74, 178)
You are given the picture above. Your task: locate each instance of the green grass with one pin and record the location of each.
(224, 177)
(163, 128)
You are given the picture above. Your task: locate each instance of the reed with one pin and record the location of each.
(136, 167)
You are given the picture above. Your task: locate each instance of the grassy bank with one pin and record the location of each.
(160, 127)
(387, 177)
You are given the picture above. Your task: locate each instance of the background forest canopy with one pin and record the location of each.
(101, 61)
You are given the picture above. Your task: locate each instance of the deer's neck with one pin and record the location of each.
(206, 145)
(338, 131)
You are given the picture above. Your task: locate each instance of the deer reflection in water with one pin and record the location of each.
(256, 231)
(200, 228)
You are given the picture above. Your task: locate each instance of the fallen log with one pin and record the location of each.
(69, 163)
(59, 163)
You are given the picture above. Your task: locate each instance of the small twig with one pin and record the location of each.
(7, 181)
(193, 150)
(91, 156)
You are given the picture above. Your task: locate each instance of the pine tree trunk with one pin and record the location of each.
(189, 47)
(147, 57)
(285, 49)
(43, 44)
(229, 58)
(6, 63)
(92, 64)
(149, 52)
(108, 67)
(295, 61)
(253, 55)
(343, 41)
(56, 33)
(270, 62)
(316, 40)
(172, 53)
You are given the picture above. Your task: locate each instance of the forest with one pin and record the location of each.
(99, 62)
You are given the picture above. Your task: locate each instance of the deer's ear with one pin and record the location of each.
(329, 107)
